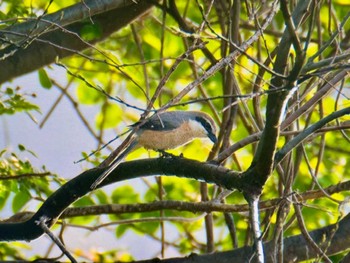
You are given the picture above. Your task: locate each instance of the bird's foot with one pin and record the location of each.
(165, 154)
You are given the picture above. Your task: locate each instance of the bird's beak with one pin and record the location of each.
(212, 137)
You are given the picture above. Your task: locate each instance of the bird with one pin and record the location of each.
(164, 131)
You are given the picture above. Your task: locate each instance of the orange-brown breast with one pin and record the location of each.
(163, 140)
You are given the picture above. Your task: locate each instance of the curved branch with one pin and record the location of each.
(54, 206)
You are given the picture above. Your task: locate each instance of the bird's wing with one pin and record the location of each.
(165, 121)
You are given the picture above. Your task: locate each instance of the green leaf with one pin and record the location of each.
(110, 117)
(44, 79)
(4, 197)
(87, 95)
(102, 197)
(125, 195)
(90, 32)
(20, 199)
(9, 91)
(120, 230)
(13, 248)
(21, 147)
(84, 201)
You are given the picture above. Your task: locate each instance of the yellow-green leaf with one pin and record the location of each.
(110, 117)
(44, 79)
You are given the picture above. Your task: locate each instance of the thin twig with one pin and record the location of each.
(42, 224)
(26, 176)
(306, 235)
(308, 132)
(221, 63)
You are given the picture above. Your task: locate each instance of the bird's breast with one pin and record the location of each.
(170, 139)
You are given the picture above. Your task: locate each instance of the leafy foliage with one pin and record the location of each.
(19, 178)
(12, 101)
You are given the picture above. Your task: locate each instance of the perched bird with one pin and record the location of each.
(166, 130)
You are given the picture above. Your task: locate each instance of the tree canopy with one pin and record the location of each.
(272, 74)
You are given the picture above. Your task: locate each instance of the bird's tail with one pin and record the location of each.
(114, 164)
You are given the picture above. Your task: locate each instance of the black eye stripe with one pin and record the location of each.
(205, 124)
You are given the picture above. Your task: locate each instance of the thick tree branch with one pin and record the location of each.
(63, 17)
(80, 186)
(40, 49)
(262, 164)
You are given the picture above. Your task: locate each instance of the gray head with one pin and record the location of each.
(206, 123)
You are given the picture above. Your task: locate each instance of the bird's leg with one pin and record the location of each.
(166, 154)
